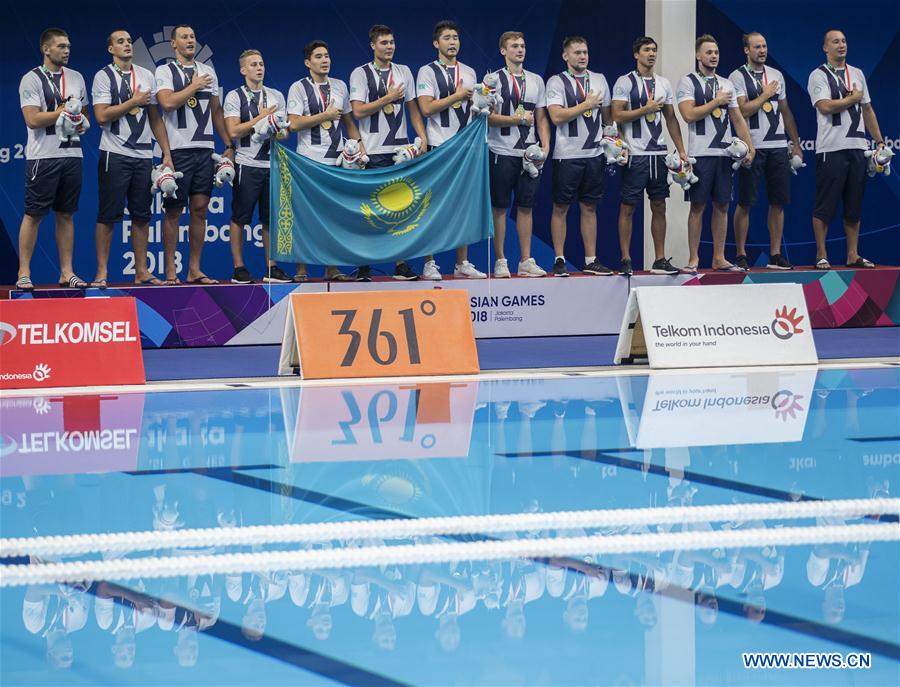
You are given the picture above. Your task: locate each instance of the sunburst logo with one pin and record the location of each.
(786, 324)
(786, 404)
(397, 206)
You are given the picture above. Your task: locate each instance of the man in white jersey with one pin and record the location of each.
(380, 92)
(763, 102)
(444, 89)
(244, 107)
(124, 96)
(52, 168)
(578, 104)
(188, 93)
(841, 97)
(511, 129)
(317, 107)
(641, 101)
(708, 104)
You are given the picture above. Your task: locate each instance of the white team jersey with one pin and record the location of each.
(766, 128)
(706, 138)
(843, 130)
(580, 137)
(644, 137)
(245, 107)
(129, 135)
(47, 91)
(189, 126)
(513, 140)
(383, 131)
(307, 98)
(439, 82)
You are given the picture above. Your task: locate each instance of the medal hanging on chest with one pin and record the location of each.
(651, 92)
(583, 90)
(520, 94)
(455, 80)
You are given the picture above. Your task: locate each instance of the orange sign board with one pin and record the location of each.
(379, 334)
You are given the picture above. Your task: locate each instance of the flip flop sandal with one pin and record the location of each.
(300, 278)
(862, 264)
(203, 281)
(823, 264)
(24, 284)
(338, 276)
(99, 284)
(688, 269)
(150, 281)
(74, 282)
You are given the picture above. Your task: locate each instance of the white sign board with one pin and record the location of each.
(717, 326)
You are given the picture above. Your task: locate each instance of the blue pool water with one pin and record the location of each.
(242, 456)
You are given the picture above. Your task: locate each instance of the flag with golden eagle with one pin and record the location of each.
(327, 215)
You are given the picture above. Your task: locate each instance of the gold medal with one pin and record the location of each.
(134, 111)
(520, 110)
(767, 106)
(650, 116)
(326, 124)
(717, 113)
(457, 104)
(388, 109)
(192, 102)
(587, 114)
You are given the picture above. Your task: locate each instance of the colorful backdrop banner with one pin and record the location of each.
(327, 215)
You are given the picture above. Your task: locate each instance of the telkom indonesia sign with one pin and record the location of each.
(53, 342)
(714, 326)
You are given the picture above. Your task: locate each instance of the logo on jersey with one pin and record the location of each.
(786, 324)
(397, 206)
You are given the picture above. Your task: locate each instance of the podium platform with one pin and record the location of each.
(189, 316)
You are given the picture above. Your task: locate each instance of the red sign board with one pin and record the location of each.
(53, 342)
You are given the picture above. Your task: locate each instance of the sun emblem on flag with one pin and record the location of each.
(397, 206)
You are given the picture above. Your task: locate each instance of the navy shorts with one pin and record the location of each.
(251, 188)
(840, 175)
(645, 172)
(52, 184)
(119, 178)
(580, 179)
(508, 177)
(775, 165)
(379, 160)
(714, 172)
(197, 166)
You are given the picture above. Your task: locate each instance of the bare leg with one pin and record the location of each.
(196, 235)
(558, 228)
(462, 254)
(65, 243)
(28, 232)
(626, 218)
(589, 228)
(266, 243)
(852, 231)
(236, 241)
(170, 241)
(719, 224)
(742, 228)
(499, 231)
(140, 237)
(658, 227)
(695, 226)
(523, 229)
(103, 241)
(776, 228)
(820, 229)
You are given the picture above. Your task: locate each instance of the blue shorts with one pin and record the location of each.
(197, 166)
(251, 188)
(508, 177)
(840, 175)
(714, 172)
(580, 179)
(775, 165)
(645, 172)
(121, 177)
(52, 184)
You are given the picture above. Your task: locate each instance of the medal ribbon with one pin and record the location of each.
(456, 78)
(252, 98)
(131, 86)
(62, 80)
(390, 79)
(581, 89)
(759, 83)
(520, 91)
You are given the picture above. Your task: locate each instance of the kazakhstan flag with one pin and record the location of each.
(327, 215)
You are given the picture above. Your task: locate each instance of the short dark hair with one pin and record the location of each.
(569, 40)
(312, 46)
(641, 42)
(443, 25)
(705, 38)
(827, 31)
(507, 36)
(48, 35)
(746, 37)
(379, 30)
(109, 38)
(175, 30)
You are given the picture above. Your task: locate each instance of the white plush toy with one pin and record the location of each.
(614, 146)
(738, 151)
(351, 156)
(71, 123)
(485, 95)
(275, 125)
(408, 152)
(879, 161)
(162, 180)
(796, 161)
(533, 160)
(224, 173)
(681, 172)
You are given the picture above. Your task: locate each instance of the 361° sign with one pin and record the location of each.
(379, 334)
